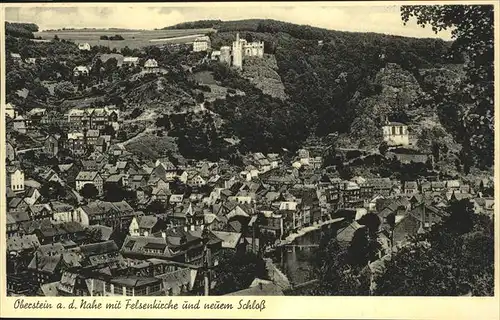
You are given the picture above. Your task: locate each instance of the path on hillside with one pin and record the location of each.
(137, 136)
(26, 150)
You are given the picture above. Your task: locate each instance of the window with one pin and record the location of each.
(140, 292)
(118, 290)
(129, 292)
(155, 288)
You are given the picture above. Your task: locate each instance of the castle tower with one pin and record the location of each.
(225, 54)
(238, 52)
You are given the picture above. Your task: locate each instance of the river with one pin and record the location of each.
(296, 259)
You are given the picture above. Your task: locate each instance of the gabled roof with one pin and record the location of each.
(229, 239)
(87, 175)
(19, 243)
(147, 222)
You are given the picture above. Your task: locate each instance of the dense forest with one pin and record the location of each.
(329, 83)
(332, 86)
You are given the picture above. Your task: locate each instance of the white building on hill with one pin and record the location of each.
(242, 49)
(84, 46)
(396, 134)
(201, 44)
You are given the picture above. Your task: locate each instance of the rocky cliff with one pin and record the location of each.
(263, 74)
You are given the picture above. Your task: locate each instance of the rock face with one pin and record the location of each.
(263, 75)
(399, 89)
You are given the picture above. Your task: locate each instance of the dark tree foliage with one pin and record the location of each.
(467, 110)
(20, 30)
(92, 235)
(456, 254)
(237, 271)
(195, 24)
(52, 190)
(89, 191)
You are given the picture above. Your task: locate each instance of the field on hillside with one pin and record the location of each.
(133, 38)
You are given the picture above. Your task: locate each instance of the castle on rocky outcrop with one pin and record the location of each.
(241, 48)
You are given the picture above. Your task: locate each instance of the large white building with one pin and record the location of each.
(15, 179)
(396, 134)
(84, 46)
(201, 44)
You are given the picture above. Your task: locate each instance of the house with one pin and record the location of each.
(145, 225)
(15, 221)
(175, 244)
(410, 188)
(395, 134)
(80, 71)
(10, 151)
(484, 205)
(194, 179)
(130, 61)
(151, 65)
(61, 212)
(45, 267)
(86, 177)
(16, 57)
(201, 44)
(231, 241)
(381, 186)
(10, 111)
(133, 286)
(215, 55)
(15, 179)
(180, 281)
(346, 234)
(117, 215)
(51, 145)
(31, 196)
(438, 186)
(76, 143)
(84, 46)
(40, 211)
(19, 124)
(416, 221)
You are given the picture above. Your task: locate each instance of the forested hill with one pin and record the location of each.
(327, 81)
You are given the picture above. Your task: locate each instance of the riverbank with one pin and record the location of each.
(303, 231)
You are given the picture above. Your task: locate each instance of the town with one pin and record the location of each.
(87, 215)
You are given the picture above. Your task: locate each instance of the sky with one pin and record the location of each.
(334, 16)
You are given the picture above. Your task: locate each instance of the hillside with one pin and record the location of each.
(347, 84)
(263, 74)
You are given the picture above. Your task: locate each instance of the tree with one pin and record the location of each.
(109, 130)
(237, 271)
(472, 28)
(155, 207)
(89, 191)
(92, 235)
(52, 190)
(116, 193)
(64, 89)
(383, 148)
(456, 256)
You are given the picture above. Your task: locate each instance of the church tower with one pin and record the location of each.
(238, 52)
